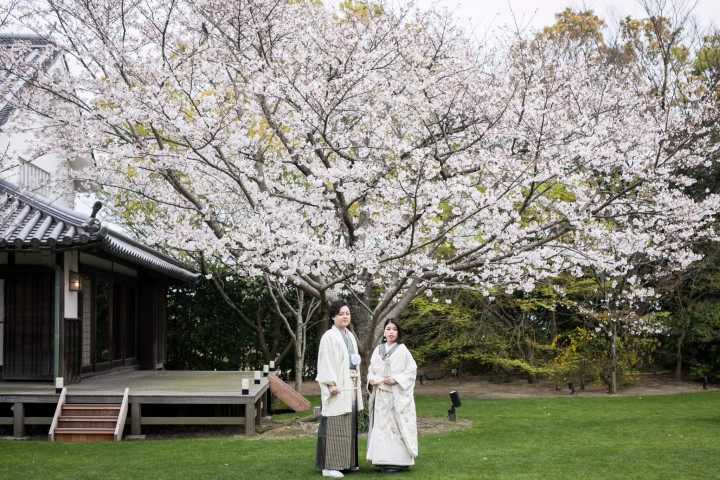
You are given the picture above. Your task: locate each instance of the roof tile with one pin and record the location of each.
(29, 222)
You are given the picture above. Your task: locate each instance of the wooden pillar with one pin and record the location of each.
(135, 414)
(18, 420)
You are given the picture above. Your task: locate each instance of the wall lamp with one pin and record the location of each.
(75, 282)
(455, 398)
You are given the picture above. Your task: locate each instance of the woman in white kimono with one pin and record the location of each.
(340, 390)
(392, 437)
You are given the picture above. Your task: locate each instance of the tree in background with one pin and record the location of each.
(374, 149)
(296, 311)
(692, 327)
(472, 333)
(207, 334)
(690, 296)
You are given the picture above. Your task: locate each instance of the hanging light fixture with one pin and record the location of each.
(75, 282)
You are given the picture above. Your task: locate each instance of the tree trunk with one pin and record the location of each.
(527, 349)
(678, 353)
(586, 327)
(553, 337)
(613, 361)
(529, 356)
(362, 322)
(300, 346)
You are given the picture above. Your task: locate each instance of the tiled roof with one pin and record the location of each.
(10, 84)
(30, 222)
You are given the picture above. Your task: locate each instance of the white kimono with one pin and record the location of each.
(392, 437)
(334, 369)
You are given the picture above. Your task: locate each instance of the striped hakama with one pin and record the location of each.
(337, 442)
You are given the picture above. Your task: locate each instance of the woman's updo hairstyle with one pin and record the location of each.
(399, 330)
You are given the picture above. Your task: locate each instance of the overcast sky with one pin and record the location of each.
(484, 14)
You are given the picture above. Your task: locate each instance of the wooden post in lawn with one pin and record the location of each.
(18, 420)
(135, 419)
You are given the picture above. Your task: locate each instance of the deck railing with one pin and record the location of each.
(58, 412)
(122, 416)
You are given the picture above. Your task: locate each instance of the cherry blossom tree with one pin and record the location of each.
(373, 153)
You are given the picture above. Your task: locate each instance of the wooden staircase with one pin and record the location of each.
(75, 422)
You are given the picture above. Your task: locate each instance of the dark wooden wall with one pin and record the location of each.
(28, 348)
(152, 323)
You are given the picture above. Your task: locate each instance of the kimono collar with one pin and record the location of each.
(384, 353)
(348, 344)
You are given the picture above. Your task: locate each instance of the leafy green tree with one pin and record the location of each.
(205, 334)
(693, 325)
(691, 296)
(473, 332)
(583, 26)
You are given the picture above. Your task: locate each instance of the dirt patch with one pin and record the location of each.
(483, 386)
(299, 428)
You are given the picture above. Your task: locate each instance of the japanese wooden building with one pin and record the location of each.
(76, 297)
(84, 303)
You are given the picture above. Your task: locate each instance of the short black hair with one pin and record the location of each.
(397, 325)
(335, 307)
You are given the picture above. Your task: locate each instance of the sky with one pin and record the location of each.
(482, 15)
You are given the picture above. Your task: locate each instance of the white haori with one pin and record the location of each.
(334, 369)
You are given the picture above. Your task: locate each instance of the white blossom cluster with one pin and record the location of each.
(371, 149)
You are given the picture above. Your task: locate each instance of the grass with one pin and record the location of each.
(650, 437)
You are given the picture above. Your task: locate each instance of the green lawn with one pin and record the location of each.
(652, 437)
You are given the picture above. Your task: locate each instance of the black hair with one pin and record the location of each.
(399, 330)
(335, 307)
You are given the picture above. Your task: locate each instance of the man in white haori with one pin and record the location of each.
(339, 379)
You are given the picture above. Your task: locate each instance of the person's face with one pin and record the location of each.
(391, 333)
(342, 319)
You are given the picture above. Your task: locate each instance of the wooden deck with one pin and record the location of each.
(156, 398)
